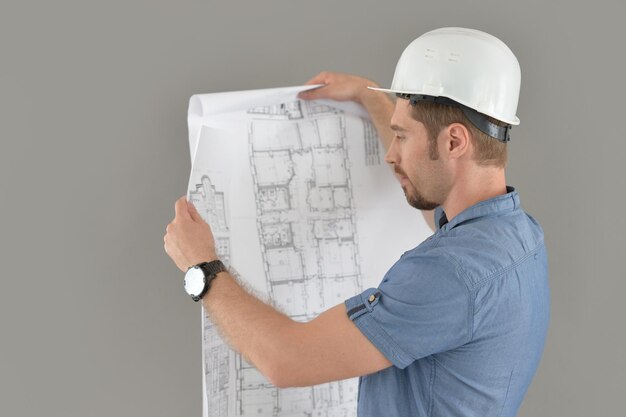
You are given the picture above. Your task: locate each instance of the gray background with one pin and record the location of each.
(93, 97)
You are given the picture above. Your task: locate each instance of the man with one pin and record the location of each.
(457, 325)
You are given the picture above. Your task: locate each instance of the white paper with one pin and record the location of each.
(304, 208)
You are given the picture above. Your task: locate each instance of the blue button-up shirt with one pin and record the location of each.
(462, 317)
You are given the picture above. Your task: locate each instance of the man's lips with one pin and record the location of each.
(401, 176)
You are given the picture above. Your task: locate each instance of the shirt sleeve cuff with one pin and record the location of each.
(360, 310)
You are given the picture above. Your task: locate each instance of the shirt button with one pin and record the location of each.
(372, 298)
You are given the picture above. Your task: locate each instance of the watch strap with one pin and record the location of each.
(210, 269)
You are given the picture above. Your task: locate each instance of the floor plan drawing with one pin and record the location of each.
(212, 205)
(217, 356)
(297, 198)
(306, 229)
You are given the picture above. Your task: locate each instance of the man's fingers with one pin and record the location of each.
(313, 94)
(336, 86)
(181, 208)
(188, 239)
(320, 78)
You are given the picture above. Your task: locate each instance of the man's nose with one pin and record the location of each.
(391, 157)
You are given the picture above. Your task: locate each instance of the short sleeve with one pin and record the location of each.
(421, 307)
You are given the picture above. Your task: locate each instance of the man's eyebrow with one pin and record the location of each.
(397, 128)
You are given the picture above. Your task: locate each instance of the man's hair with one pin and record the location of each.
(488, 151)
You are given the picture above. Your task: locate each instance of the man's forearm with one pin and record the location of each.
(380, 108)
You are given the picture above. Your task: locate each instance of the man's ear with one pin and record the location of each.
(458, 141)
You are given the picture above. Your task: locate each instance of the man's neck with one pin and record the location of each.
(481, 186)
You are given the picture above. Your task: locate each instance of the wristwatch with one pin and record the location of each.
(198, 278)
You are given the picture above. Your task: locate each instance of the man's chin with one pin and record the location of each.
(419, 202)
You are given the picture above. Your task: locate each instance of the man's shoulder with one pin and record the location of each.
(429, 267)
(483, 247)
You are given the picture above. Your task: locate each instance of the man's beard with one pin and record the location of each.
(416, 200)
(419, 202)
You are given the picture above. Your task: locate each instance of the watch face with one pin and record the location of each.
(194, 281)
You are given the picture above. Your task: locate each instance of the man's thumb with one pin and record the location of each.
(194, 213)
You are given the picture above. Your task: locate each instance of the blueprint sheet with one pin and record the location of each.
(304, 208)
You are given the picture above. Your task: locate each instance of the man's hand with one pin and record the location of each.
(346, 87)
(339, 87)
(188, 239)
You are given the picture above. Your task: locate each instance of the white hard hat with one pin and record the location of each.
(467, 68)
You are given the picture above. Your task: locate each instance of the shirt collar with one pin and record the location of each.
(501, 203)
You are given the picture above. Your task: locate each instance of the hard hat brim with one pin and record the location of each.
(513, 122)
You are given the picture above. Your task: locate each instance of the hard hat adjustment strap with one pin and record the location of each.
(484, 125)
(502, 133)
